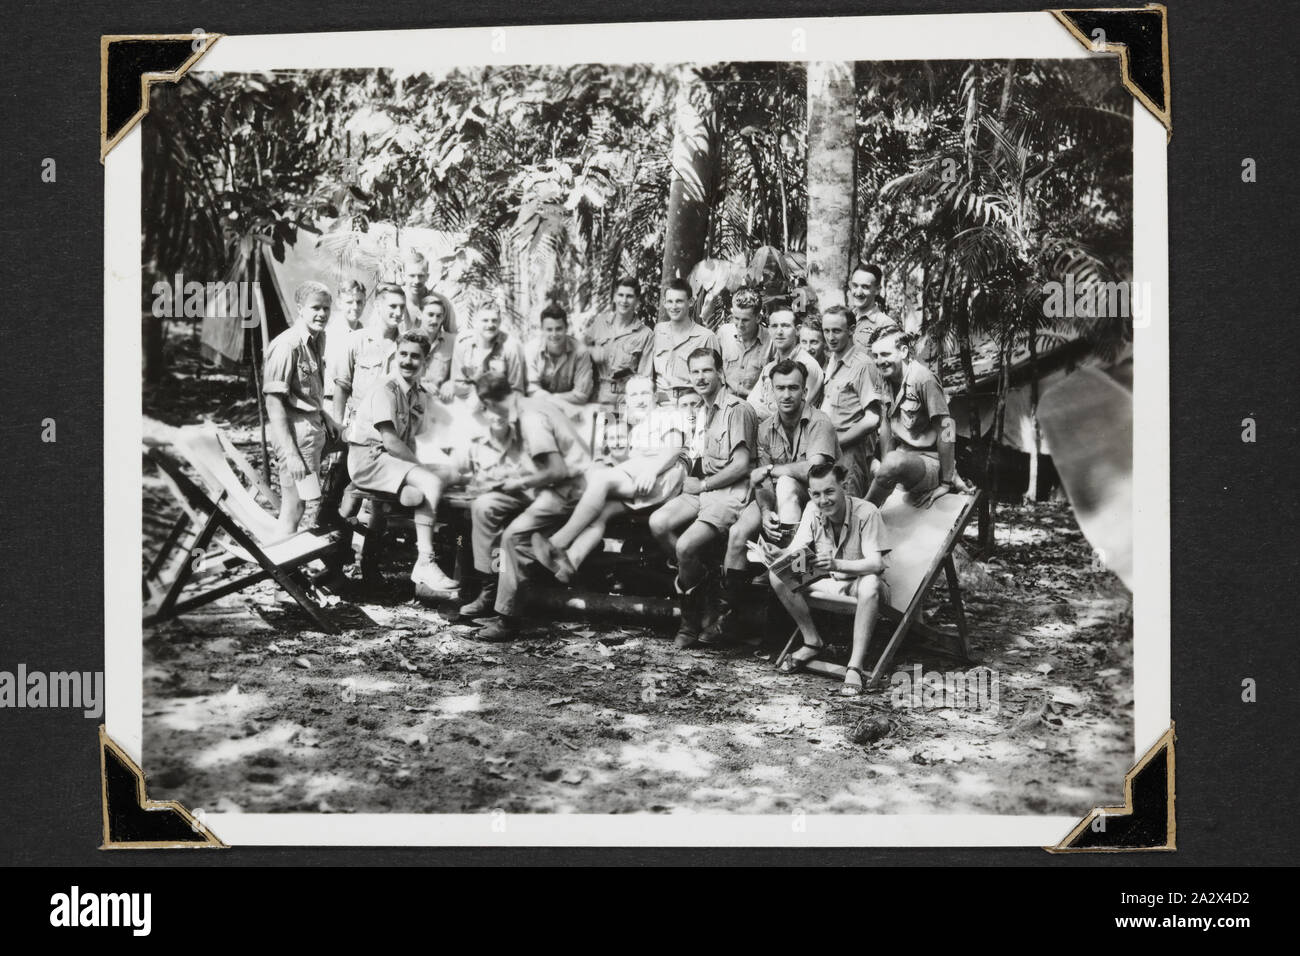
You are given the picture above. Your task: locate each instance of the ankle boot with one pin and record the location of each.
(722, 624)
(692, 606)
(485, 604)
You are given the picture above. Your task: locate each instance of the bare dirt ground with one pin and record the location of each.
(247, 709)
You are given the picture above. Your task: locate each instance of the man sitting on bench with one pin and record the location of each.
(919, 447)
(651, 474)
(714, 494)
(796, 438)
(846, 537)
(381, 455)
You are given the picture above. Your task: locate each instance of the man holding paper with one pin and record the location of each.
(838, 549)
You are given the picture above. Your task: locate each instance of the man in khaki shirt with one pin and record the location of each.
(715, 491)
(485, 348)
(676, 340)
(620, 344)
(744, 344)
(559, 366)
(855, 398)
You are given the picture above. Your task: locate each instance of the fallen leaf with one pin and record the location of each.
(302, 662)
(559, 702)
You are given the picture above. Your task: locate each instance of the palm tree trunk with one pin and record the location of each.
(693, 157)
(1035, 449)
(832, 111)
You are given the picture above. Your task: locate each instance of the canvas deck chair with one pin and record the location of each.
(921, 543)
(224, 541)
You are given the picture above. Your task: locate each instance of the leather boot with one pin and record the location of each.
(485, 604)
(692, 606)
(720, 627)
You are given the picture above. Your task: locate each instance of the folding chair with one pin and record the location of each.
(921, 543)
(224, 531)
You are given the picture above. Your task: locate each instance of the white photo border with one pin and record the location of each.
(927, 37)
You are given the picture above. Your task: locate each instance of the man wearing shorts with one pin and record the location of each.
(854, 397)
(714, 493)
(847, 538)
(516, 509)
(293, 381)
(381, 450)
(791, 442)
(651, 473)
(920, 450)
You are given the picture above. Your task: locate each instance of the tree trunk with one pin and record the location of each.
(153, 348)
(694, 153)
(832, 111)
(1035, 448)
(961, 325)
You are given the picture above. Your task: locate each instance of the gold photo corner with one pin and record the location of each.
(1164, 746)
(147, 79)
(174, 817)
(1165, 114)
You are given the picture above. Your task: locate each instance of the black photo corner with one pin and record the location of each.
(1217, 824)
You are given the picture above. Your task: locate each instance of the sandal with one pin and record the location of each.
(854, 690)
(794, 664)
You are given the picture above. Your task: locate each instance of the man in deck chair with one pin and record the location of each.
(293, 381)
(846, 538)
(715, 492)
(790, 443)
(381, 453)
(651, 474)
(919, 446)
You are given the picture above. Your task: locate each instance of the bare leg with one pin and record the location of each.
(798, 608)
(691, 546)
(790, 497)
(602, 484)
(668, 521)
(291, 507)
(897, 468)
(864, 619)
(741, 533)
(429, 485)
(593, 534)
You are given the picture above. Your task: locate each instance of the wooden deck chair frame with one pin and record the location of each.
(907, 624)
(201, 519)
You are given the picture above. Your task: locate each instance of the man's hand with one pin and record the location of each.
(297, 468)
(447, 391)
(692, 486)
(760, 475)
(824, 561)
(959, 485)
(644, 482)
(333, 430)
(511, 486)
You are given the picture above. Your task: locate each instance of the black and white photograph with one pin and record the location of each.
(572, 433)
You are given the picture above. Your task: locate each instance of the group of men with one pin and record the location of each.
(776, 433)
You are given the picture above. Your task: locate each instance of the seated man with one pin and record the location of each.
(847, 538)
(293, 381)
(790, 443)
(745, 344)
(381, 452)
(854, 398)
(784, 345)
(920, 449)
(651, 473)
(485, 348)
(559, 366)
(715, 492)
(519, 507)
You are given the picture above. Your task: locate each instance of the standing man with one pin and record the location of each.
(415, 278)
(784, 345)
(522, 506)
(559, 366)
(293, 382)
(810, 339)
(620, 344)
(715, 491)
(676, 339)
(855, 398)
(745, 349)
(847, 536)
(485, 348)
(438, 322)
(790, 442)
(920, 450)
(369, 354)
(864, 299)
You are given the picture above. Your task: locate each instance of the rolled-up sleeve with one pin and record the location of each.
(280, 368)
(822, 439)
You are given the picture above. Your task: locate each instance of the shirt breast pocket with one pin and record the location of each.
(911, 410)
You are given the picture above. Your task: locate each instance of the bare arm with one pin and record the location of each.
(552, 471)
(277, 411)
(872, 563)
(736, 469)
(869, 421)
(393, 443)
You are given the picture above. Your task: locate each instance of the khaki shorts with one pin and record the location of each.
(929, 482)
(847, 587)
(373, 469)
(309, 431)
(720, 509)
(856, 462)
